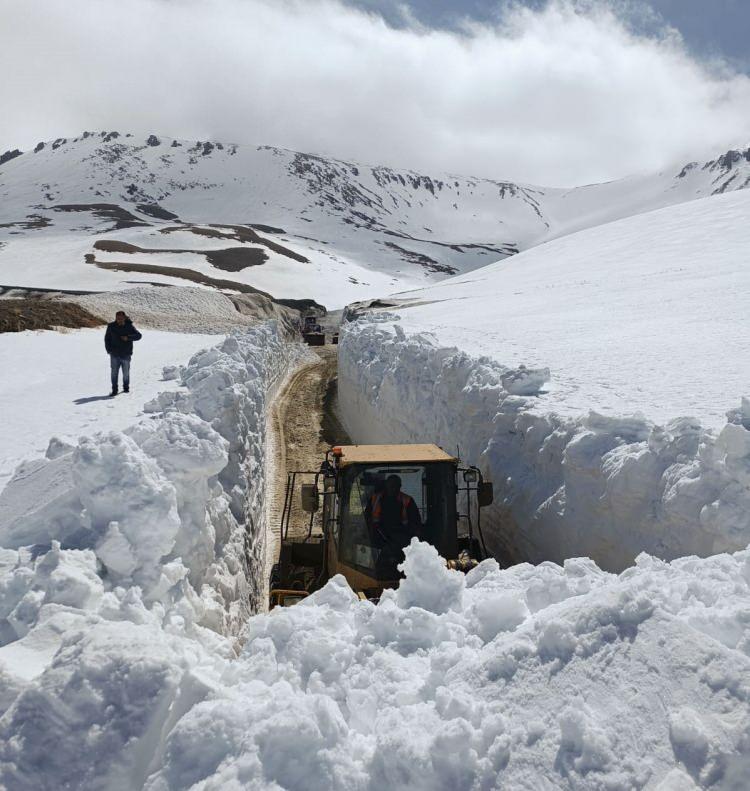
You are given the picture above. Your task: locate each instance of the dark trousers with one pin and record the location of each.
(117, 363)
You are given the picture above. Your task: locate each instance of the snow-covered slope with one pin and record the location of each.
(299, 225)
(57, 384)
(594, 373)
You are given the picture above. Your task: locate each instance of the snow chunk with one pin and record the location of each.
(499, 612)
(429, 584)
(689, 738)
(525, 381)
(677, 780)
(130, 505)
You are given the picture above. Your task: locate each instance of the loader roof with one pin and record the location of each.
(390, 454)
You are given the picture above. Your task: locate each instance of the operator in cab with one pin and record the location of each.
(393, 518)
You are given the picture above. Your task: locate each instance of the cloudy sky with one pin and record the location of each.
(710, 28)
(559, 93)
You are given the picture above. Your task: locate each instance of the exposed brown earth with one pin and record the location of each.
(197, 277)
(108, 211)
(239, 233)
(31, 222)
(302, 427)
(231, 259)
(420, 259)
(156, 211)
(266, 228)
(17, 315)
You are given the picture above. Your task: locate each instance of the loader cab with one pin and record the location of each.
(357, 543)
(429, 476)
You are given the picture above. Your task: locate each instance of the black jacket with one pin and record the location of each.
(113, 338)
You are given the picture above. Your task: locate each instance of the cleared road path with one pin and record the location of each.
(302, 426)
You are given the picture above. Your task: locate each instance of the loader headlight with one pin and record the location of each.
(471, 476)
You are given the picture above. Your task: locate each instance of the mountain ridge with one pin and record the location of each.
(358, 229)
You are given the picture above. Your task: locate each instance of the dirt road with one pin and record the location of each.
(302, 426)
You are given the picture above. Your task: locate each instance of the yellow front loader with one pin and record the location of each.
(329, 530)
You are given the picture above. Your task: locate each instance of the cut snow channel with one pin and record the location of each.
(526, 678)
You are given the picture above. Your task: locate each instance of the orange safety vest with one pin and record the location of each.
(377, 508)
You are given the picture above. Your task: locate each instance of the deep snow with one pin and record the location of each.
(179, 492)
(591, 376)
(647, 314)
(532, 678)
(124, 662)
(57, 384)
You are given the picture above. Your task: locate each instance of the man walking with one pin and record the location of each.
(118, 341)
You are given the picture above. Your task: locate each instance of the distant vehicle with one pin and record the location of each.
(312, 332)
(342, 539)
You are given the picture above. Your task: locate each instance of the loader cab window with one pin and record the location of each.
(432, 489)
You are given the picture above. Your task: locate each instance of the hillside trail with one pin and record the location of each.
(302, 426)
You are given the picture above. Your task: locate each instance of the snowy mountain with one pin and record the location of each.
(103, 210)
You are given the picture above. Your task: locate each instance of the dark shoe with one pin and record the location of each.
(126, 389)
(114, 391)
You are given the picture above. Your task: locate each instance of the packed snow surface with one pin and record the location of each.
(646, 314)
(57, 384)
(599, 379)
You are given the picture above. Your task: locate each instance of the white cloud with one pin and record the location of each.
(552, 97)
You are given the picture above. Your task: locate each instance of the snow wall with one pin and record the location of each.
(178, 496)
(603, 487)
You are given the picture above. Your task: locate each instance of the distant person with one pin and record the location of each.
(118, 341)
(394, 520)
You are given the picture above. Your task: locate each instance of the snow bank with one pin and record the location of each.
(597, 486)
(591, 377)
(178, 495)
(126, 559)
(527, 678)
(647, 314)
